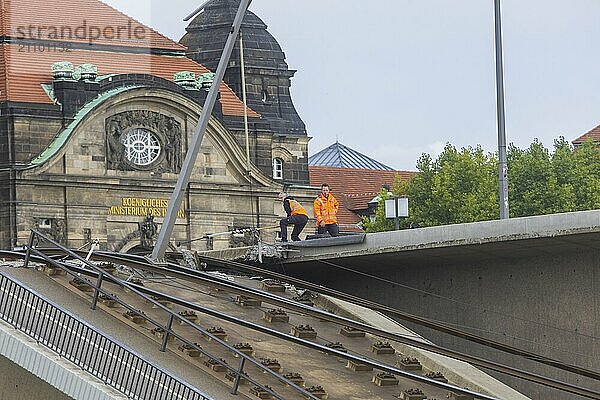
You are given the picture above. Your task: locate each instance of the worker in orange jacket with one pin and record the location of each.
(325, 209)
(296, 215)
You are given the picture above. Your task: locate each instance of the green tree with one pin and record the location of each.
(564, 169)
(457, 187)
(533, 186)
(586, 176)
(462, 186)
(379, 223)
(543, 183)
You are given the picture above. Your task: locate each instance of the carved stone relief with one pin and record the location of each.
(119, 245)
(54, 228)
(166, 129)
(148, 229)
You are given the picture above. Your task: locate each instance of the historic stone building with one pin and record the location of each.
(280, 135)
(96, 112)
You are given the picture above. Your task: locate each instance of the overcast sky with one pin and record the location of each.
(397, 78)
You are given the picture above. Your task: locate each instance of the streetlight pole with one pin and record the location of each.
(502, 168)
(186, 170)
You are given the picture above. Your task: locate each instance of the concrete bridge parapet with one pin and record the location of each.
(498, 235)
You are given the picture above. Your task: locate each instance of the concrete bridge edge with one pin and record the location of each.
(51, 368)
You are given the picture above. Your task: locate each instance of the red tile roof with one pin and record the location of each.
(353, 187)
(27, 71)
(24, 68)
(79, 21)
(3, 89)
(594, 135)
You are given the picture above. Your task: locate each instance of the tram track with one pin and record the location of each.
(200, 277)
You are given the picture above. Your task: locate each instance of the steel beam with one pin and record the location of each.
(168, 224)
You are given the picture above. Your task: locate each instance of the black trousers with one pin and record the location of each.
(333, 229)
(299, 221)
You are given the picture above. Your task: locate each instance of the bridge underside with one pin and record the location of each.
(533, 283)
(18, 383)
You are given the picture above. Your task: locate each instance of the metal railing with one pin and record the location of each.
(167, 328)
(89, 349)
(186, 273)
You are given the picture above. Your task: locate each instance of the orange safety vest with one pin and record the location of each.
(297, 208)
(326, 209)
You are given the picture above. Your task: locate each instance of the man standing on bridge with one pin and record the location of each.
(325, 209)
(296, 215)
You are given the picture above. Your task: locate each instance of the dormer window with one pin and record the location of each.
(277, 168)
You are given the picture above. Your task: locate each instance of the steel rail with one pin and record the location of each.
(168, 331)
(197, 276)
(272, 332)
(438, 326)
(103, 275)
(316, 346)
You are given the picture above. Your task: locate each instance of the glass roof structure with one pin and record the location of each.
(340, 156)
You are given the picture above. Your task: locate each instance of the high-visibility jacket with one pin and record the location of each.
(325, 209)
(294, 207)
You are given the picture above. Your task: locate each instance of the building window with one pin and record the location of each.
(141, 147)
(45, 223)
(277, 168)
